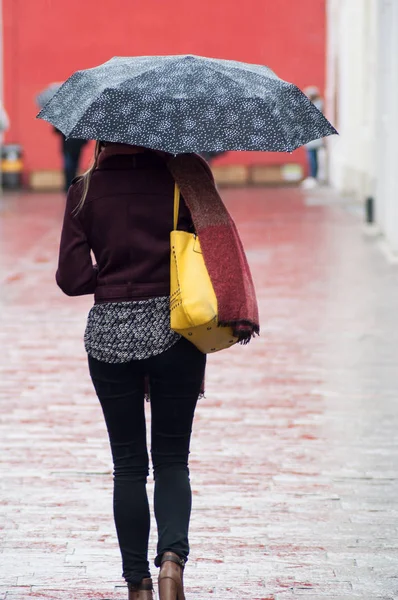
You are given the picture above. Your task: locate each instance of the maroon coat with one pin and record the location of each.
(126, 223)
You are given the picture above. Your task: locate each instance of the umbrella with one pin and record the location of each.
(46, 94)
(186, 104)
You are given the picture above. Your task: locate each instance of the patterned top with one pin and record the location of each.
(119, 332)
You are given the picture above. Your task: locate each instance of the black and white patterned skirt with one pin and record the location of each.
(119, 332)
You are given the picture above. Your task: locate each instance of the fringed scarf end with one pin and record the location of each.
(244, 330)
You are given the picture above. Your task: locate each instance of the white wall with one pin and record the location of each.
(351, 93)
(362, 102)
(387, 123)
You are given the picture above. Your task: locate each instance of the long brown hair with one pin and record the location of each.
(86, 177)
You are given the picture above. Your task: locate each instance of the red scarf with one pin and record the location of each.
(221, 246)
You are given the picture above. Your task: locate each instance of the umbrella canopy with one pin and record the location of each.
(46, 94)
(185, 104)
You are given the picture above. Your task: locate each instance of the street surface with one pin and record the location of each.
(294, 460)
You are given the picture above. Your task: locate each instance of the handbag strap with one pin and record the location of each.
(176, 205)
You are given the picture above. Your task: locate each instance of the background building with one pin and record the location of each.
(362, 101)
(46, 40)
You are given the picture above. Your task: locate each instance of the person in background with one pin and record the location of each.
(71, 150)
(4, 120)
(313, 147)
(4, 125)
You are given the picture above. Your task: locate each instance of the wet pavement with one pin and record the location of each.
(295, 454)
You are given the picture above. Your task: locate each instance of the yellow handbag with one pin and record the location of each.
(193, 303)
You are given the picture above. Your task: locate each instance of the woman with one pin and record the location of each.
(121, 210)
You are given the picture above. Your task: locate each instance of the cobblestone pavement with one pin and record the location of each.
(295, 452)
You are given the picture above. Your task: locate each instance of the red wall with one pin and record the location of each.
(46, 40)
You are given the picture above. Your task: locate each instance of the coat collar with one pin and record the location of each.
(118, 150)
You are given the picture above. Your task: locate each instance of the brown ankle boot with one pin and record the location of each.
(143, 591)
(171, 585)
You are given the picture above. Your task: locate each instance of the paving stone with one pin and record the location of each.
(294, 453)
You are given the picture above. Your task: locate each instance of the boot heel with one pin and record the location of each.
(171, 585)
(168, 589)
(143, 591)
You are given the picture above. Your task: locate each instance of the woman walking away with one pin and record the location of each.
(121, 210)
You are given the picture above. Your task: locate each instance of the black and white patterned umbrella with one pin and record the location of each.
(185, 104)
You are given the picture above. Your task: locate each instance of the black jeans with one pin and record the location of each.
(175, 379)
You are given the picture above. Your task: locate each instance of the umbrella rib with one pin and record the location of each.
(259, 97)
(266, 107)
(107, 87)
(228, 76)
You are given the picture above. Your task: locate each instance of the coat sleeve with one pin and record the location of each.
(76, 275)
